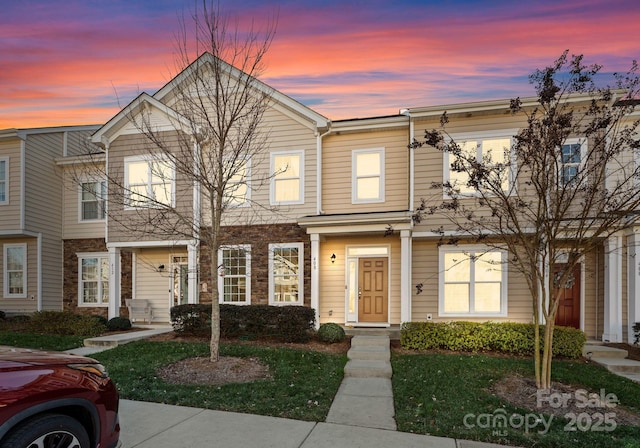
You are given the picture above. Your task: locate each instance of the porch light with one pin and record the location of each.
(161, 268)
(333, 258)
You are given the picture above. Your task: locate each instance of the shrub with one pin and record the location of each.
(504, 337)
(330, 333)
(118, 324)
(103, 320)
(64, 323)
(286, 323)
(636, 333)
(2, 315)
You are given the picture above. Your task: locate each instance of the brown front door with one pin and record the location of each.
(373, 291)
(569, 303)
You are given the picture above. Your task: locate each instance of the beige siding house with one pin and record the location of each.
(326, 221)
(31, 215)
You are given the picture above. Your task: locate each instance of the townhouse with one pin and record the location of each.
(335, 231)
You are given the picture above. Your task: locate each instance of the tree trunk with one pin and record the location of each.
(214, 344)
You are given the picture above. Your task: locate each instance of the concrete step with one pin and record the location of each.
(602, 351)
(381, 341)
(368, 369)
(370, 352)
(620, 366)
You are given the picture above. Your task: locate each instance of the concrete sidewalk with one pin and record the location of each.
(154, 425)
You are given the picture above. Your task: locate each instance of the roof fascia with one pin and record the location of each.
(114, 127)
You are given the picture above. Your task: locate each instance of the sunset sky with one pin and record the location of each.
(66, 62)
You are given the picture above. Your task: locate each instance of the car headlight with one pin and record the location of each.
(94, 368)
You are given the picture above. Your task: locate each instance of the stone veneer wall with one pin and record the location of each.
(259, 237)
(70, 283)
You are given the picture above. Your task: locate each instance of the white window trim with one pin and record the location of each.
(504, 300)
(247, 249)
(6, 180)
(80, 201)
(81, 256)
(478, 136)
(272, 189)
(5, 271)
(582, 141)
(354, 176)
(148, 158)
(300, 247)
(247, 182)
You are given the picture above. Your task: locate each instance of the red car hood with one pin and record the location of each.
(14, 355)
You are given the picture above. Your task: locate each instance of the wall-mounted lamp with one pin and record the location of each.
(161, 268)
(333, 258)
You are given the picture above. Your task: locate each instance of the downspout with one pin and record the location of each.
(407, 113)
(23, 182)
(319, 168)
(39, 268)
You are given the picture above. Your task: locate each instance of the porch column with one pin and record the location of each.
(193, 283)
(633, 284)
(114, 282)
(612, 331)
(315, 276)
(405, 276)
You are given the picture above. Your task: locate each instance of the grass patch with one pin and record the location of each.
(434, 392)
(303, 385)
(41, 341)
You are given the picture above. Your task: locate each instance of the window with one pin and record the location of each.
(93, 279)
(286, 263)
(234, 281)
(238, 192)
(496, 149)
(15, 271)
(571, 156)
(4, 180)
(149, 182)
(287, 183)
(472, 282)
(92, 200)
(368, 176)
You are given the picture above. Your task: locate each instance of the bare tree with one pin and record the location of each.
(568, 182)
(200, 153)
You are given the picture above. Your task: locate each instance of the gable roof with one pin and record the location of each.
(280, 101)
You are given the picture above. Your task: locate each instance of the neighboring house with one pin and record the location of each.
(346, 183)
(31, 215)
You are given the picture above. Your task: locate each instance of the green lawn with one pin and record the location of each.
(302, 386)
(435, 392)
(42, 342)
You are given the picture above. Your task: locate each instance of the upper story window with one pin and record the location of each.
(15, 270)
(367, 184)
(286, 262)
(473, 282)
(93, 279)
(93, 200)
(4, 180)
(238, 192)
(234, 281)
(571, 158)
(287, 182)
(149, 182)
(491, 149)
